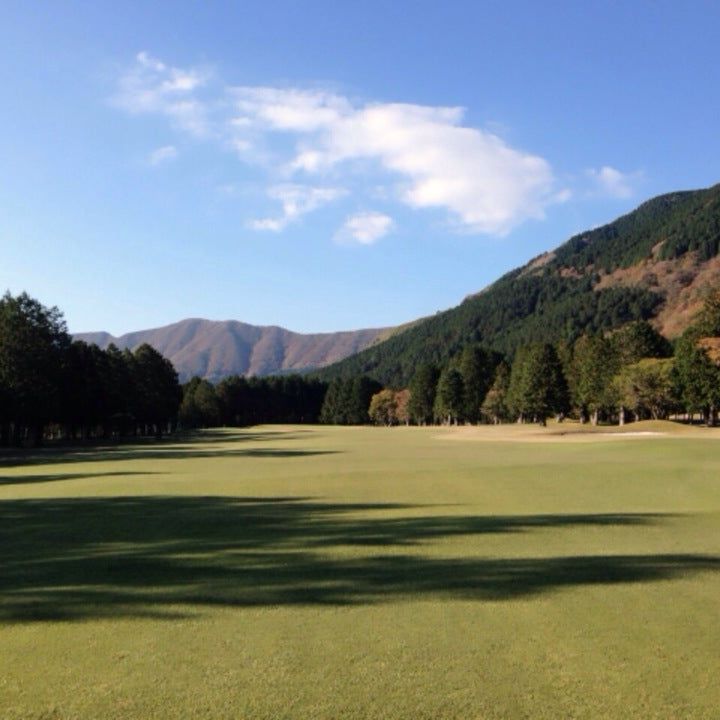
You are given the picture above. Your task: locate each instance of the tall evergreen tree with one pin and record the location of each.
(537, 385)
(450, 396)
(33, 343)
(477, 367)
(200, 407)
(158, 391)
(697, 377)
(594, 363)
(331, 412)
(422, 388)
(360, 391)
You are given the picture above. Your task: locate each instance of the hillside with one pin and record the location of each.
(654, 263)
(214, 350)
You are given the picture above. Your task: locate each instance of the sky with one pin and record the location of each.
(329, 166)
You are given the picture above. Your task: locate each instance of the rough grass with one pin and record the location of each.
(292, 572)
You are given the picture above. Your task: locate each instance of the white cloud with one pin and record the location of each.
(151, 86)
(296, 201)
(288, 109)
(365, 228)
(162, 154)
(425, 153)
(609, 181)
(488, 186)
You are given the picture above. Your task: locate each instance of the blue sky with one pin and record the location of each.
(326, 166)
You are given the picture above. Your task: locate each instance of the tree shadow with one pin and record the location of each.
(58, 477)
(200, 443)
(173, 452)
(244, 435)
(73, 559)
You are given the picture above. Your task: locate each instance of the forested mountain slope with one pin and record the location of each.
(654, 263)
(214, 350)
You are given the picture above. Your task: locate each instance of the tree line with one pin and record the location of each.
(54, 387)
(239, 401)
(626, 374)
(630, 374)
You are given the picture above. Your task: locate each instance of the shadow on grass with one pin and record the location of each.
(200, 444)
(71, 559)
(57, 477)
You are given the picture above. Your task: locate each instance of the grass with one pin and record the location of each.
(294, 572)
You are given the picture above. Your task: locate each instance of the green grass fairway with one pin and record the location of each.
(321, 572)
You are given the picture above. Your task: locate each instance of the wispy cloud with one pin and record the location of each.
(613, 183)
(364, 228)
(162, 155)
(296, 201)
(151, 86)
(427, 155)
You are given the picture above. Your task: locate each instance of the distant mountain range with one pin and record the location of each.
(214, 350)
(655, 263)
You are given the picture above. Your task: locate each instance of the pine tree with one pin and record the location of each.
(594, 363)
(698, 378)
(450, 397)
(537, 385)
(33, 343)
(477, 367)
(422, 388)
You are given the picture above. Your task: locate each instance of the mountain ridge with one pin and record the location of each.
(653, 263)
(214, 349)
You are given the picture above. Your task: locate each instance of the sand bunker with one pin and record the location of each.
(574, 432)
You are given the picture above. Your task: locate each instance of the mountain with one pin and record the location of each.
(655, 263)
(214, 350)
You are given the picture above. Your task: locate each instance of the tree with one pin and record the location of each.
(646, 388)
(422, 388)
(383, 408)
(119, 390)
(85, 402)
(537, 385)
(200, 405)
(33, 342)
(592, 368)
(708, 320)
(158, 391)
(477, 367)
(450, 397)
(333, 409)
(360, 390)
(636, 341)
(697, 378)
(495, 405)
(347, 401)
(402, 405)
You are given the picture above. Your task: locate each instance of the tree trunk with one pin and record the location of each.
(711, 417)
(621, 415)
(594, 417)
